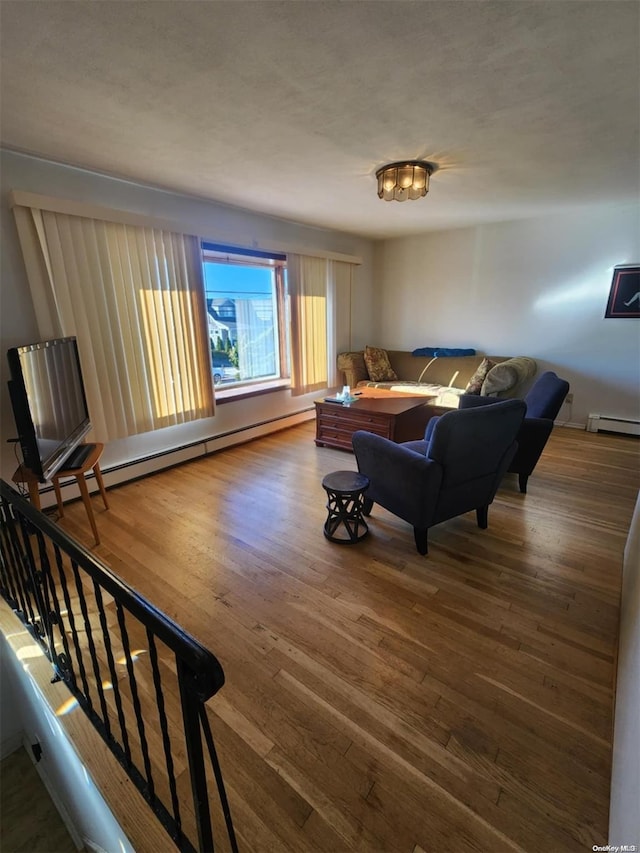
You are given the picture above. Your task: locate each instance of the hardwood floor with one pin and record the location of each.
(377, 700)
(29, 822)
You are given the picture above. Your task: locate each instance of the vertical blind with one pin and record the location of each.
(134, 298)
(320, 300)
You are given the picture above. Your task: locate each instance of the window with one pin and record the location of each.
(247, 314)
(132, 296)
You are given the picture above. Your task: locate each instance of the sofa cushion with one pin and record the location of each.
(474, 385)
(507, 375)
(378, 365)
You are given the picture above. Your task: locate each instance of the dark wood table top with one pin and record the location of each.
(384, 405)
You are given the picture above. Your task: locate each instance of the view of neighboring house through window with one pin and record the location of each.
(246, 306)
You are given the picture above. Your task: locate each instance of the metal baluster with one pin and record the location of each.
(19, 592)
(164, 728)
(94, 655)
(74, 633)
(213, 755)
(63, 660)
(87, 624)
(135, 697)
(113, 671)
(33, 585)
(45, 586)
(196, 757)
(8, 554)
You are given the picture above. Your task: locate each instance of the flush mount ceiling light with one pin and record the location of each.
(406, 180)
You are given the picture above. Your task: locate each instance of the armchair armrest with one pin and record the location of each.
(431, 425)
(403, 481)
(472, 401)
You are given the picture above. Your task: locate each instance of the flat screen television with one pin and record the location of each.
(49, 403)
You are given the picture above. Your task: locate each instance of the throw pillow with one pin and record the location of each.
(474, 385)
(378, 365)
(507, 375)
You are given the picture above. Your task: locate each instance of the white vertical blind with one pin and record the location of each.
(320, 297)
(340, 285)
(307, 279)
(134, 298)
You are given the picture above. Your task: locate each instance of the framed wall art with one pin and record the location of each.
(624, 296)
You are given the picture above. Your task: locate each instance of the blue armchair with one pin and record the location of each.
(544, 401)
(458, 470)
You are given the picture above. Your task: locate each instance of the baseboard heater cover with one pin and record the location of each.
(136, 468)
(609, 423)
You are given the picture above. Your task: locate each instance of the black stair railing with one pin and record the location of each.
(141, 680)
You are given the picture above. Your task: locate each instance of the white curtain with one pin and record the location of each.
(134, 298)
(320, 299)
(340, 284)
(255, 339)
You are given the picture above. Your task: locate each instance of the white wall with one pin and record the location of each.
(83, 809)
(624, 816)
(210, 221)
(535, 287)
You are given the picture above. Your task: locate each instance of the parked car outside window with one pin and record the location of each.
(223, 370)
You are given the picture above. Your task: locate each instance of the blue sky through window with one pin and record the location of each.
(227, 281)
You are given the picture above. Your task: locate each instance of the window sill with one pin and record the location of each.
(243, 392)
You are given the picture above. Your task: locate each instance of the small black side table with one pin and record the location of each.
(345, 523)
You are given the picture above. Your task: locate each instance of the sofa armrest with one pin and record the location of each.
(353, 368)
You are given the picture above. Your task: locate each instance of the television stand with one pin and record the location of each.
(91, 462)
(92, 454)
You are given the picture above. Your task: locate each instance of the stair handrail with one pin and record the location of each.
(200, 674)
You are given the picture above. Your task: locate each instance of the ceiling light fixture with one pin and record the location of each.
(405, 180)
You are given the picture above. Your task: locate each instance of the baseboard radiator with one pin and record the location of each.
(608, 423)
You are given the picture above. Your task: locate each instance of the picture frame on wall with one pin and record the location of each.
(624, 296)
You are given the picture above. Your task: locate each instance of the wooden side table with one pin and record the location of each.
(345, 522)
(92, 462)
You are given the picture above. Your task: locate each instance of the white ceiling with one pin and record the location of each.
(289, 108)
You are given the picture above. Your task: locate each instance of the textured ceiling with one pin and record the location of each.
(289, 108)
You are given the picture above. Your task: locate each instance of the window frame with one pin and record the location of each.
(219, 253)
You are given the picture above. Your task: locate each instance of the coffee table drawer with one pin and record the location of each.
(341, 433)
(356, 419)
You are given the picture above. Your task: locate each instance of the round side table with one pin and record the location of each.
(345, 523)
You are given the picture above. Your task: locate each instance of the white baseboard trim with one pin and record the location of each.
(167, 459)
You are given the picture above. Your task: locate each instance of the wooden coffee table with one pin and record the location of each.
(398, 418)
